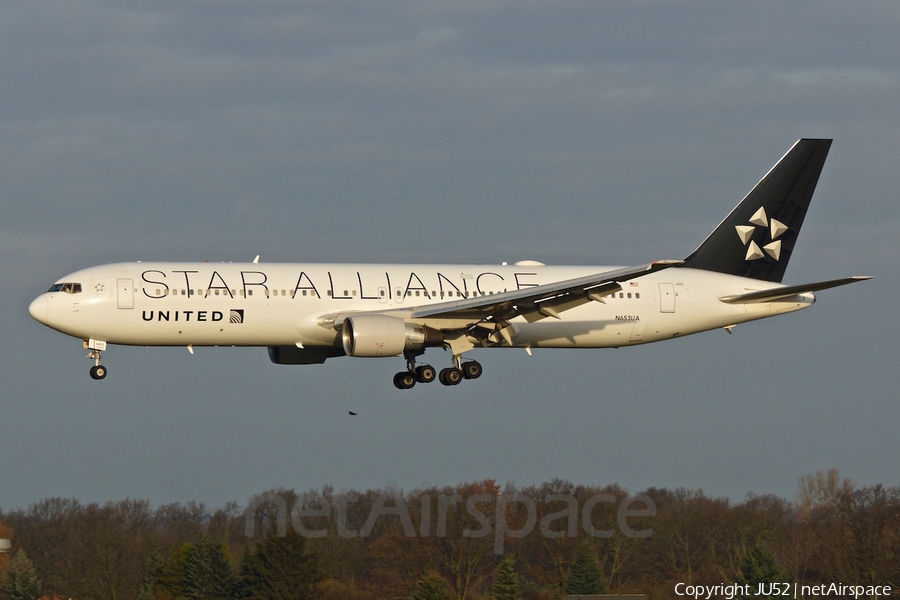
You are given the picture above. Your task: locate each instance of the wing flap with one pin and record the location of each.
(778, 293)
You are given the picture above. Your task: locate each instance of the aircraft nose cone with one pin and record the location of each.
(40, 309)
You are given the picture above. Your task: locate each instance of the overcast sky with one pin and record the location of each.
(567, 132)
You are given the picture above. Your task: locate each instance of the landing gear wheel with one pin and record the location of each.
(404, 380)
(471, 370)
(450, 376)
(98, 372)
(425, 374)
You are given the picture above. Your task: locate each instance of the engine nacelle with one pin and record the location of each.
(372, 336)
(292, 355)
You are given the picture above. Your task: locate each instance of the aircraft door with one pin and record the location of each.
(667, 297)
(125, 294)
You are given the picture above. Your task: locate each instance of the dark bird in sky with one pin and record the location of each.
(351, 412)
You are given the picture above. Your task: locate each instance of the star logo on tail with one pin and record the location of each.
(775, 227)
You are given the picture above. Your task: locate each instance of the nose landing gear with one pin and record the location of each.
(98, 371)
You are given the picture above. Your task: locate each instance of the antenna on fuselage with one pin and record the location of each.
(256, 260)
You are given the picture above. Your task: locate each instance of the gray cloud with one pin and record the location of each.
(580, 132)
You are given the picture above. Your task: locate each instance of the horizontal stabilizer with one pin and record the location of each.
(778, 293)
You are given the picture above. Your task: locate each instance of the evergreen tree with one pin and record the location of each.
(280, 569)
(171, 577)
(208, 574)
(585, 577)
(760, 566)
(20, 581)
(222, 575)
(506, 584)
(432, 587)
(152, 571)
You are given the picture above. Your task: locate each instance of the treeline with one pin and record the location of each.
(463, 541)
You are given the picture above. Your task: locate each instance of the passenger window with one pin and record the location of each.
(629, 294)
(637, 295)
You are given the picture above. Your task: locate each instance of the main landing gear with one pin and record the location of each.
(404, 380)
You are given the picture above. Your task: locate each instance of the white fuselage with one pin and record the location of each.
(248, 304)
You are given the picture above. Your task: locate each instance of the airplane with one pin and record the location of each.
(307, 313)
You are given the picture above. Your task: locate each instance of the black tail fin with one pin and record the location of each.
(756, 240)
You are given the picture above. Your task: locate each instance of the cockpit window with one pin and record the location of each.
(68, 288)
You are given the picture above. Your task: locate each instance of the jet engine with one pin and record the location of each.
(379, 335)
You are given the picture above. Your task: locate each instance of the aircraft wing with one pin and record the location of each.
(538, 302)
(778, 293)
